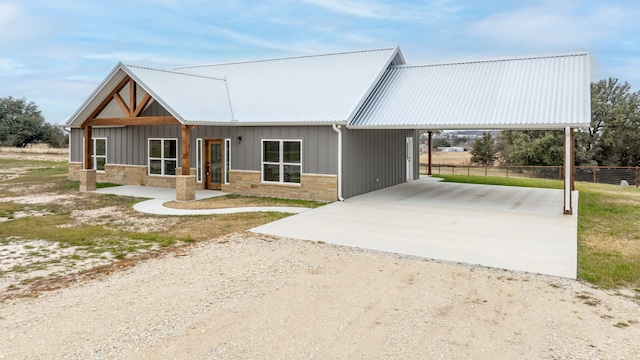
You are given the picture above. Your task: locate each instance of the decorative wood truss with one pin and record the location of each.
(132, 112)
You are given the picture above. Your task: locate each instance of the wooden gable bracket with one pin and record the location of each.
(132, 116)
(131, 111)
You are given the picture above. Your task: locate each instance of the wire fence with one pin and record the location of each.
(595, 174)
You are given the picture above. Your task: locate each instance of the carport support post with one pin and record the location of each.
(568, 170)
(429, 134)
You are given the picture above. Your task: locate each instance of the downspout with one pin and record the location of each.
(336, 128)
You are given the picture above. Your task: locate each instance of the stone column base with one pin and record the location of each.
(87, 179)
(185, 187)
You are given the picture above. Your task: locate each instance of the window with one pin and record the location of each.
(281, 161)
(199, 160)
(99, 157)
(163, 156)
(227, 159)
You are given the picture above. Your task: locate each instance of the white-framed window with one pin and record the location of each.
(99, 156)
(227, 159)
(163, 156)
(281, 161)
(199, 160)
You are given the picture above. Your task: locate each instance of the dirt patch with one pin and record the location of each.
(241, 296)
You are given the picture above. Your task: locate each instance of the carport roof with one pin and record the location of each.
(549, 92)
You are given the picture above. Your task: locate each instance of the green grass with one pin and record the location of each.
(95, 239)
(608, 228)
(494, 180)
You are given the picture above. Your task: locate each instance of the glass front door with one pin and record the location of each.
(213, 164)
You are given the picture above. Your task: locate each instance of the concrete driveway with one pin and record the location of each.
(497, 226)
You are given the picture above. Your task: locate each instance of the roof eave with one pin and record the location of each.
(265, 123)
(577, 125)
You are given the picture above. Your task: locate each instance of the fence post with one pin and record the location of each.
(595, 170)
(637, 173)
(530, 171)
(507, 171)
(453, 169)
(485, 170)
(469, 171)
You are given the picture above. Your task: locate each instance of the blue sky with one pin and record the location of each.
(55, 53)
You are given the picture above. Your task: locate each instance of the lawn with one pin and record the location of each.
(608, 228)
(48, 228)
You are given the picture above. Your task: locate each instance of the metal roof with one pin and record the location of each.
(534, 93)
(185, 96)
(189, 98)
(310, 89)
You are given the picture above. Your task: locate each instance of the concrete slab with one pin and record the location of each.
(159, 196)
(151, 192)
(497, 226)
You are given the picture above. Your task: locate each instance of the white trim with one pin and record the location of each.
(409, 157)
(281, 162)
(199, 153)
(227, 155)
(94, 157)
(162, 157)
(336, 128)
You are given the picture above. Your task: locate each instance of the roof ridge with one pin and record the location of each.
(502, 59)
(172, 71)
(280, 59)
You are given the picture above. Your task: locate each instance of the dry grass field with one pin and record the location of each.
(447, 158)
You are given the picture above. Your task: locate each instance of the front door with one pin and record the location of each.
(214, 153)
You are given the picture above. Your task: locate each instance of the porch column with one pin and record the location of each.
(568, 170)
(429, 135)
(88, 174)
(88, 148)
(186, 183)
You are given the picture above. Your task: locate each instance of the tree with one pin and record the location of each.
(484, 150)
(614, 136)
(21, 123)
(440, 142)
(531, 147)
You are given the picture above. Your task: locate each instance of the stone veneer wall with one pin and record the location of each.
(243, 182)
(126, 175)
(312, 186)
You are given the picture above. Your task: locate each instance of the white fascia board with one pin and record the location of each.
(474, 127)
(265, 123)
(72, 118)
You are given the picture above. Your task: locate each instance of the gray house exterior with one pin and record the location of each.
(324, 127)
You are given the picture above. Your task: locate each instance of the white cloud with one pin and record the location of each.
(9, 13)
(139, 58)
(395, 10)
(552, 25)
(10, 67)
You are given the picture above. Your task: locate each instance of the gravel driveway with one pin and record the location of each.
(248, 296)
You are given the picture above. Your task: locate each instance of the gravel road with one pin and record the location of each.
(247, 296)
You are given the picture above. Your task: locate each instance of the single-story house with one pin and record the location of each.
(323, 127)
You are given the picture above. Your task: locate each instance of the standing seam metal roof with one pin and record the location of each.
(536, 92)
(309, 89)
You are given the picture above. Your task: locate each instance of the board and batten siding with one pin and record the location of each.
(128, 145)
(376, 159)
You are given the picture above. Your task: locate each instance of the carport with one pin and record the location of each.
(531, 230)
(496, 226)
